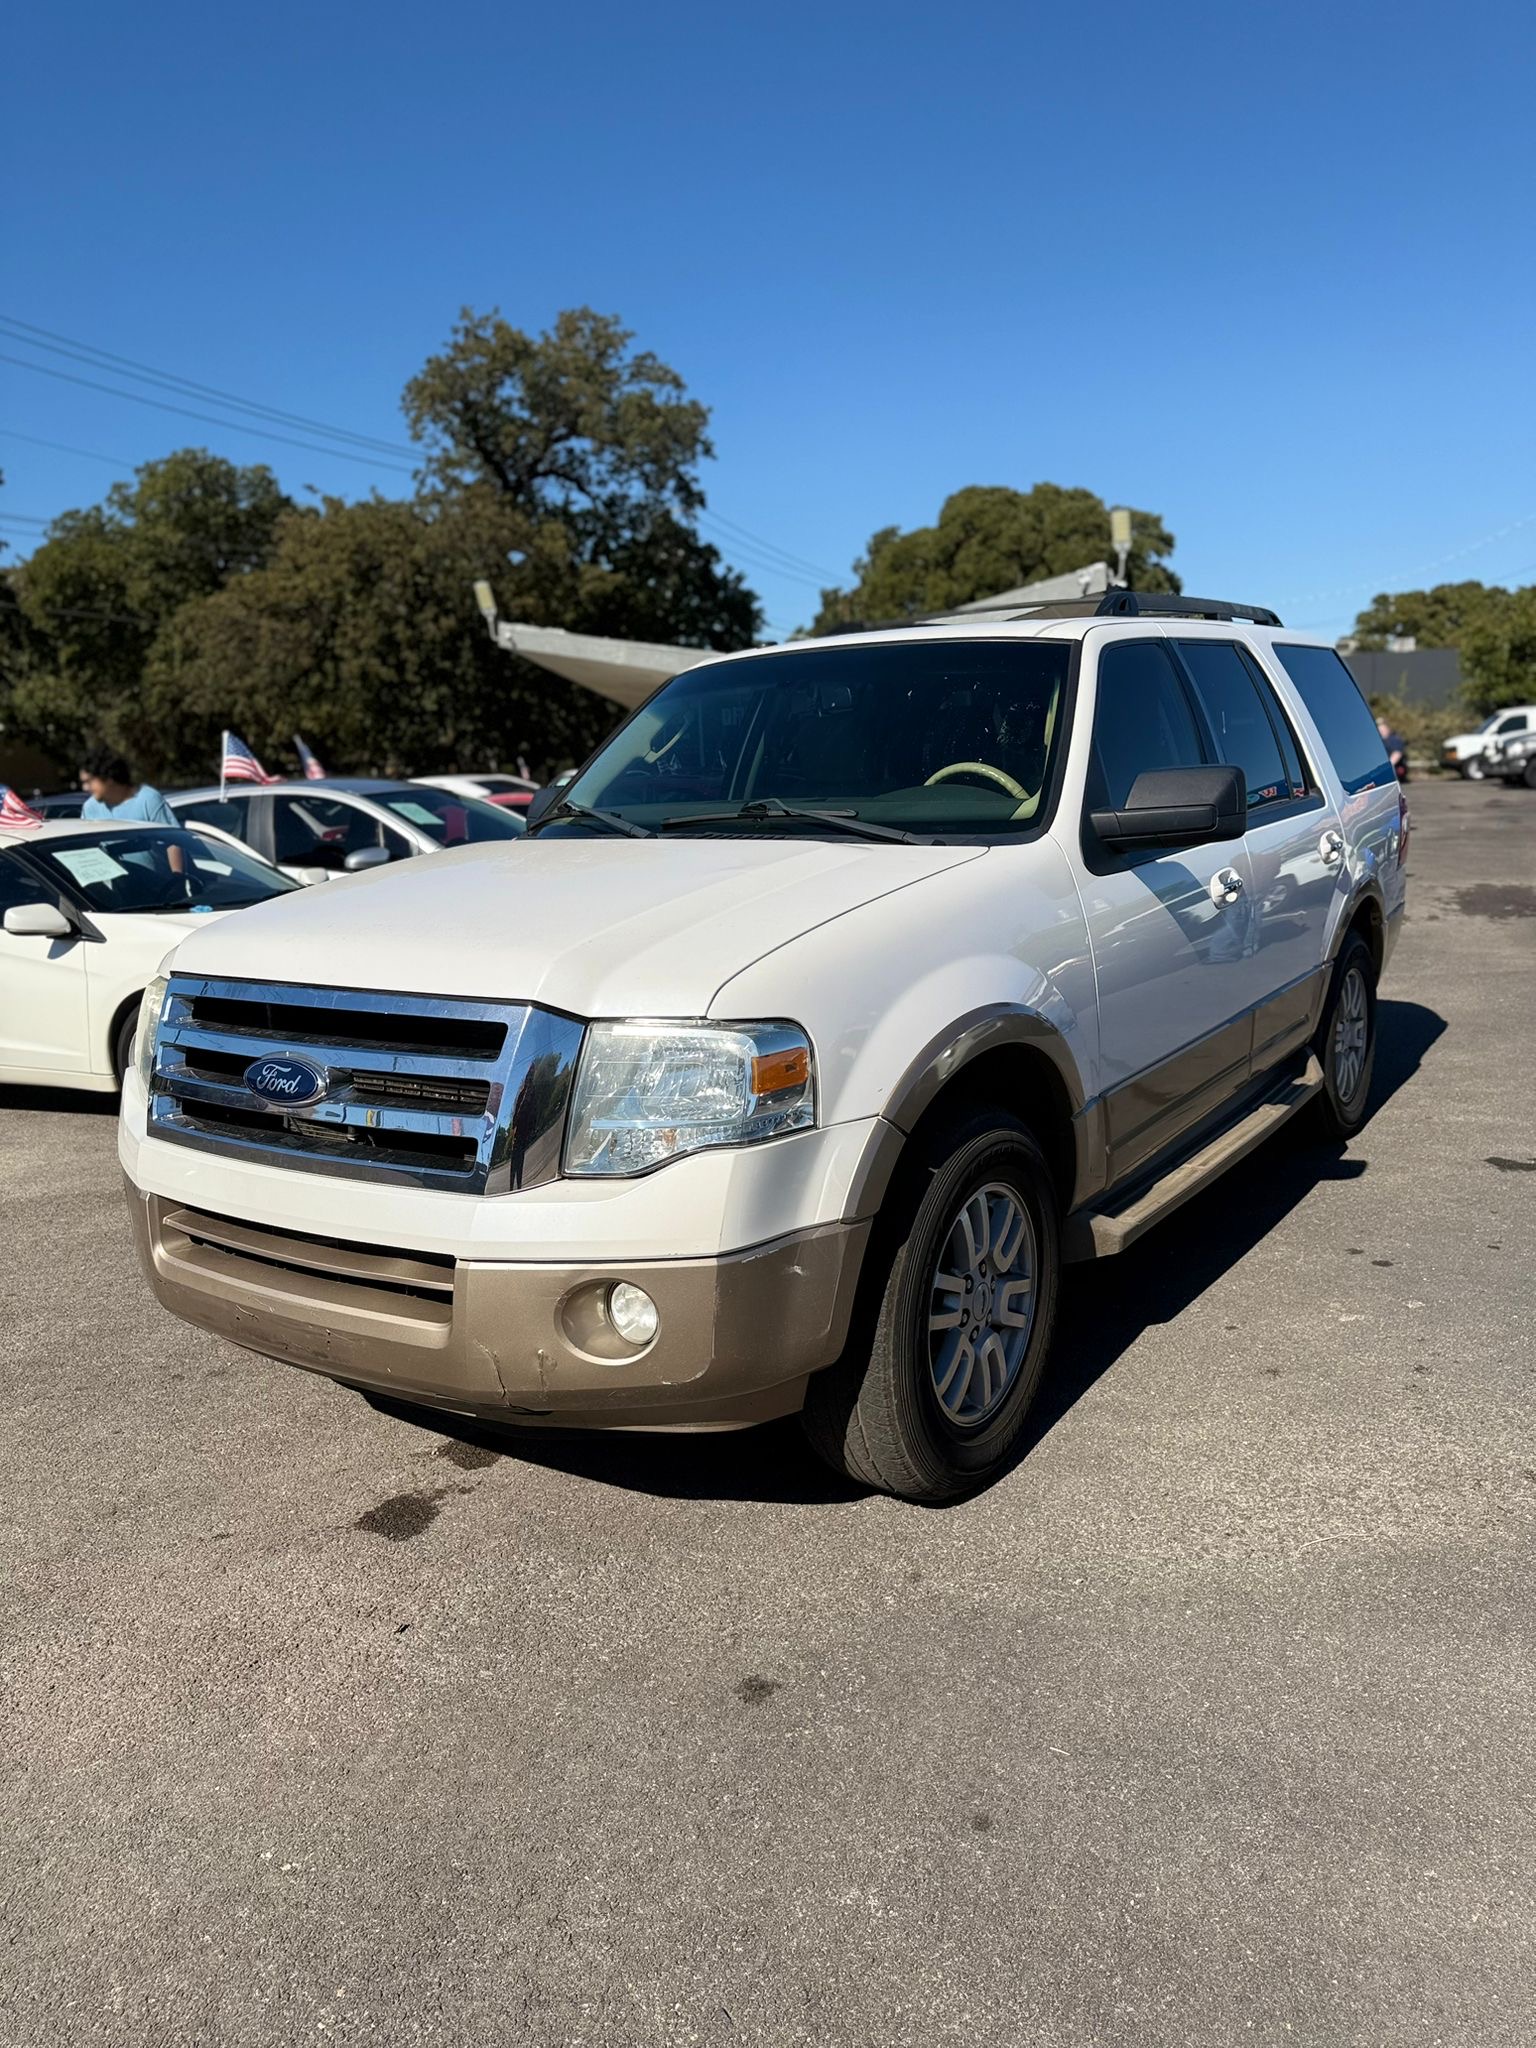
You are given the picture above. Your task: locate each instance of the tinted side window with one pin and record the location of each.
(1340, 714)
(1142, 719)
(1239, 723)
(229, 816)
(18, 888)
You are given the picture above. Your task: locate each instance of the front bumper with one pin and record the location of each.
(739, 1334)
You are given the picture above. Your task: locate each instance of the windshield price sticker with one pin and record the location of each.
(89, 863)
(417, 813)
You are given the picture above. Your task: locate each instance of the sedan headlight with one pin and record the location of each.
(647, 1092)
(151, 1003)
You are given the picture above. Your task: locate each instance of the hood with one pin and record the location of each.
(597, 927)
(153, 932)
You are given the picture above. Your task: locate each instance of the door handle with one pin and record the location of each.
(1226, 886)
(1331, 847)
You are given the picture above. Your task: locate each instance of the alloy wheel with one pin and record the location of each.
(1351, 1028)
(981, 1304)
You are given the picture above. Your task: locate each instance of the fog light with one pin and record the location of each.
(632, 1313)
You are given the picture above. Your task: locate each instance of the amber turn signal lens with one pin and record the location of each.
(773, 1071)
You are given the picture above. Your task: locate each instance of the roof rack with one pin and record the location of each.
(1121, 604)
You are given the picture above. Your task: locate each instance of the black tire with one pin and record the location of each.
(876, 1415)
(122, 1044)
(1529, 777)
(1344, 1100)
(1472, 770)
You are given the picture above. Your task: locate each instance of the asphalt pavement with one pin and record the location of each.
(1214, 1721)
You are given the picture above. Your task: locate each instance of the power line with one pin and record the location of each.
(756, 550)
(63, 448)
(169, 380)
(236, 426)
(770, 546)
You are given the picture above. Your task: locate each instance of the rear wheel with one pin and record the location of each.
(1347, 1040)
(933, 1392)
(1529, 777)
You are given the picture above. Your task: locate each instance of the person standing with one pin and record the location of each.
(111, 792)
(1397, 749)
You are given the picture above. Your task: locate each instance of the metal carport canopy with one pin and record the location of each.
(625, 671)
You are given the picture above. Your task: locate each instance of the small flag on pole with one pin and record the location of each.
(18, 815)
(239, 764)
(313, 772)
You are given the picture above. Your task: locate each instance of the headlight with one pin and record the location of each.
(151, 1003)
(649, 1092)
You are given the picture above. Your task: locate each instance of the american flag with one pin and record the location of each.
(14, 812)
(313, 772)
(240, 764)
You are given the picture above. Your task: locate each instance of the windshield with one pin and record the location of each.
(934, 737)
(450, 819)
(157, 871)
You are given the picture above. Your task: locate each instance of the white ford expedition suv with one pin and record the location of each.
(850, 990)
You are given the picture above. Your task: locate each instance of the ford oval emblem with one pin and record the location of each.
(286, 1084)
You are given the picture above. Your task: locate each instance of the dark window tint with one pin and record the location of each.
(320, 831)
(230, 816)
(1142, 719)
(1340, 714)
(1239, 723)
(18, 887)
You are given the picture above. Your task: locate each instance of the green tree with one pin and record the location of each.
(1435, 618)
(989, 538)
(1498, 652)
(360, 633)
(93, 600)
(590, 452)
(1494, 629)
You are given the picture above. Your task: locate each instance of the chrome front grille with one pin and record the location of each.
(427, 1090)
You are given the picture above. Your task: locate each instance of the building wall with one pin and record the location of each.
(1430, 676)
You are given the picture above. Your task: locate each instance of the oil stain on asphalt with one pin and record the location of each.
(403, 1515)
(1496, 900)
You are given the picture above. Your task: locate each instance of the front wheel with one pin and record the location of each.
(122, 1049)
(1347, 1040)
(1472, 768)
(931, 1402)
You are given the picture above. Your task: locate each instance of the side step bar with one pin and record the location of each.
(1100, 1233)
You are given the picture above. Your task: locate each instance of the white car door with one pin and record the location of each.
(1171, 937)
(44, 1001)
(1295, 847)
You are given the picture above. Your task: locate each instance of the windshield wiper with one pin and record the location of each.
(583, 814)
(768, 809)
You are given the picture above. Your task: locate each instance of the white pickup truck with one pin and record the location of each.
(850, 990)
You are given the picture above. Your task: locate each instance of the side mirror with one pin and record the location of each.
(366, 857)
(1177, 807)
(39, 921)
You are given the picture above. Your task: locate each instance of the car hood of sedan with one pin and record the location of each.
(596, 927)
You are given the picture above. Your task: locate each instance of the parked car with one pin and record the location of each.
(346, 826)
(511, 792)
(89, 913)
(852, 988)
(1467, 752)
(61, 803)
(1511, 759)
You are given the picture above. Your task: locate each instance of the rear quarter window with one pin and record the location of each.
(1340, 714)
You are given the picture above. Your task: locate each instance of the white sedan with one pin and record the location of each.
(87, 914)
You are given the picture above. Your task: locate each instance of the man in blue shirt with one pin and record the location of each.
(113, 793)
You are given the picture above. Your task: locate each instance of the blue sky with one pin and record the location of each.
(1265, 270)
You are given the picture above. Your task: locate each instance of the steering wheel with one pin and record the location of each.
(981, 768)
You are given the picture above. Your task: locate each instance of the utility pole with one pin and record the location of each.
(1120, 540)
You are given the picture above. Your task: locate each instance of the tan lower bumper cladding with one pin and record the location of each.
(737, 1338)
